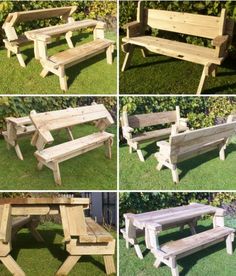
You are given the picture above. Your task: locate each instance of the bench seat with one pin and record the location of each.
(155, 134)
(61, 152)
(95, 233)
(169, 252)
(81, 52)
(176, 49)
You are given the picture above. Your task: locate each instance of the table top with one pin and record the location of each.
(61, 29)
(157, 219)
(45, 201)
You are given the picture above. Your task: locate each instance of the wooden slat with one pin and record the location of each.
(5, 223)
(150, 119)
(81, 52)
(186, 23)
(176, 49)
(19, 121)
(70, 147)
(186, 244)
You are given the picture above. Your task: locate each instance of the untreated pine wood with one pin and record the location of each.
(218, 29)
(130, 122)
(48, 121)
(184, 146)
(14, 42)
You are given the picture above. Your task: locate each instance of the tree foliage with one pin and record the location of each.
(21, 106)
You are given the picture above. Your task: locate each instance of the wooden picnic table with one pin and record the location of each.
(55, 31)
(152, 223)
(80, 234)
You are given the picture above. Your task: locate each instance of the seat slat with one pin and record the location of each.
(70, 147)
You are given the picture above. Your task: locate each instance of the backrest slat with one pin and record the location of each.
(193, 140)
(151, 119)
(185, 23)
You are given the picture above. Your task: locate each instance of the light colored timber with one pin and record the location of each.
(49, 121)
(130, 122)
(218, 29)
(186, 145)
(14, 41)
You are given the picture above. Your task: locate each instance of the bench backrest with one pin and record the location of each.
(185, 23)
(194, 140)
(53, 120)
(150, 119)
(25, 16)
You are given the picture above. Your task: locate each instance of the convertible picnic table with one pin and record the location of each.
(153, 223)
(82, 235)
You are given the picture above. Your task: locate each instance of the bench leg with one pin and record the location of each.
(174, 267)
(12, 266)
(214, 72)
(32, 227)
(40, 166)
(21, 60)
(222, 151)
(130, 149)
(144, 52)
(62, 78)
(175, 175)
(229, 246)
(202, 80)
(56, 174)
(157, 263)
(66, 267)
(18, 152)
(109, 54)
(109, 264)
(128, 58)
(68, 39)
(159, 166)
(44, 73)
(8, 53)
(70, 134)
(108, 145)
(140, 155)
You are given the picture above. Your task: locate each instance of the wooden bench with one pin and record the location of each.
(129, 123)
(186, 145)
(170, 252)
(58, 62)
(14, 42)
(217, 29)
(16, 129)
(49, 121)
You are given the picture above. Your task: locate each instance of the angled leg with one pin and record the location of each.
(159, 166)
(202, 80)
(32, 226)
(108, 145)
(144, 52)
(109, 264)
(40, 166)
(128, 58)
(214, 72)
(174, 267)
(66, 267)
(140, 155)
(157, 263)
(229, 245)
(138, 251)
(68, 39)
(18, 152)
(21, 60)
(130, 149)
(70, 133)
(8, 53)
(44, 73)
(12, 266)
(56, 173)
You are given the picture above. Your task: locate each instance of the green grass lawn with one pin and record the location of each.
(204, 172)
(93, 76)
(89, 171)
(159, 74)
(45, 258)
(211, 261)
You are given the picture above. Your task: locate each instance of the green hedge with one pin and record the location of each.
(144, 202)
(21, 106)
(201, 111)
(127, 13)
(105, 10)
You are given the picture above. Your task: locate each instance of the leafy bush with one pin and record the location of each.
(21, 106)
(105, 10)
(200, 111)
(127, 13)
(144, 202)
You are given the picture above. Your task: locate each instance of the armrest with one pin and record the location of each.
(183, 122)
(100, 25)
(220, 40)
(163, 144)
(133, 29)
(44, 38)
(128, 129)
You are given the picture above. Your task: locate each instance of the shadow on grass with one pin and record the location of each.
(26, 241)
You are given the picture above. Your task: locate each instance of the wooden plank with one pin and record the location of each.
(150, 119)
(5, 223)
(76, 146)
(76, 220)
(186, 23)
